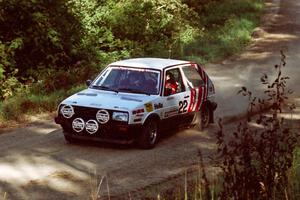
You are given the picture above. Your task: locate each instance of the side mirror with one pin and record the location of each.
(88, 82)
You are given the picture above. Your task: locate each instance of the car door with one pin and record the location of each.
(196, 87)
(175, 102)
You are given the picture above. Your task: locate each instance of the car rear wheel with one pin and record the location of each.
(202, 118)
(149, 135)
(205, 116)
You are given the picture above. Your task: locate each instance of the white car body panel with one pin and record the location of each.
(116, 101)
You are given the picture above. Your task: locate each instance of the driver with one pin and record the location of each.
(135, 80)
(170, 85)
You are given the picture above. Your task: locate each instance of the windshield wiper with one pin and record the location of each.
(101, 87)
(134, 91)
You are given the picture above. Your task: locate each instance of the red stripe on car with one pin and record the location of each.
(192, 102)
(200, 94)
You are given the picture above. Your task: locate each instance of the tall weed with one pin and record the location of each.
(256, 161)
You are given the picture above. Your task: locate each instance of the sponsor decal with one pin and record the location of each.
(158, 106)
(91, 126)
(78, 125)
(67, 111)
(149, 107)
(170, 98)
(102, 116)
(171, 113)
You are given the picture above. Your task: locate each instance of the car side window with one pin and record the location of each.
(193, 76)
(173, 82)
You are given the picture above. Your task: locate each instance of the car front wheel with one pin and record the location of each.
(149, 135)
(70, 139)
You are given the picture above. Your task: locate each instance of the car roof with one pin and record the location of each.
(153, 63)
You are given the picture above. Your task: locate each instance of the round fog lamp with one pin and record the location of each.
(102, 116)
(67, 111)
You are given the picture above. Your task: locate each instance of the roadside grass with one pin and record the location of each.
(17, 107)
(207, 185)
(195, 188)
(228, 26)
(295, 175)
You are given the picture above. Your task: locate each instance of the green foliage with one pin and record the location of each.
(47, 45)
(9, 84)
(36, 24)
(10, 110)
(225, 32)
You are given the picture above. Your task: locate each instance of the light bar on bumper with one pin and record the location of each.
(120, 116)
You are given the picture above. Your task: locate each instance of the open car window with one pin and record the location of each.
(173, 82)
(193, 76)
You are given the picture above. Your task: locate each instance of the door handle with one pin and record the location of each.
(187, 96)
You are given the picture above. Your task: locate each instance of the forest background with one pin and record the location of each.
(49, 48)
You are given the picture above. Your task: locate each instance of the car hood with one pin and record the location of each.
(108, 99)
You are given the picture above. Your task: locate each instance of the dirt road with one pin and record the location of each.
(36, 162)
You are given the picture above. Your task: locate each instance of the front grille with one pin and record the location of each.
(87, 113)
(107, 130)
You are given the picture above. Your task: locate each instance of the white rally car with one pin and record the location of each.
(136, 100)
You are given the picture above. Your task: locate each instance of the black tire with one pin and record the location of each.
(205, 116)
(202, 118)
(149, 135)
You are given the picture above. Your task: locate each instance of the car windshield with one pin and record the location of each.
(130, 80)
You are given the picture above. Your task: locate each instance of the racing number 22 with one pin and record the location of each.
(183, 106)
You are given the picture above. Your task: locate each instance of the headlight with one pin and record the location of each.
(120, 116)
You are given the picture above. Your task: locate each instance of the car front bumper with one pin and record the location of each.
(112, 132)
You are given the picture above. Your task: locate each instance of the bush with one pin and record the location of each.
(11, 109)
